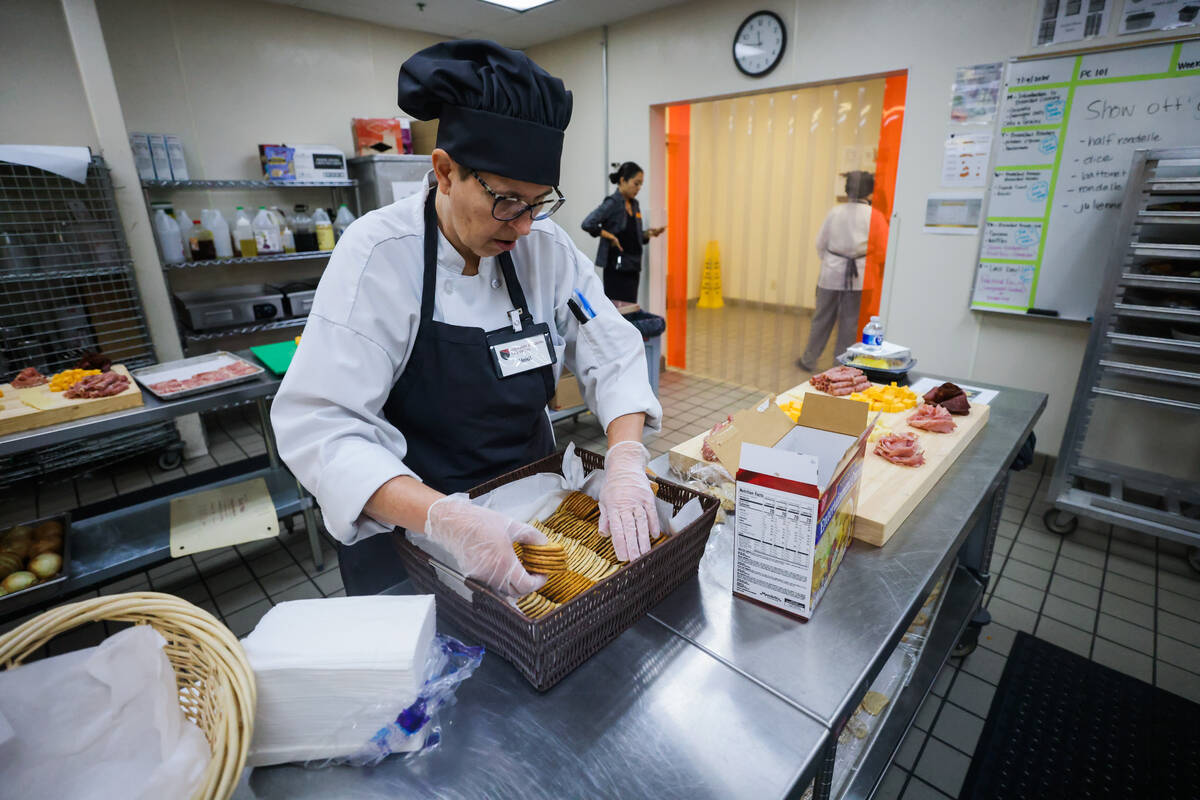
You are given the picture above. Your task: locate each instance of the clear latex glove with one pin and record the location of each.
(627, 511)
(481, 540)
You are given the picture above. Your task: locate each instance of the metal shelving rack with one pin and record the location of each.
(1148, 306)
(189, 337)
(67, 287)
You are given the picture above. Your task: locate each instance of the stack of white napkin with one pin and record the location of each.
(332, 672)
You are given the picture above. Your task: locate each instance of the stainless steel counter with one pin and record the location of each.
(707, 696)
(824, 665)
(648, 716)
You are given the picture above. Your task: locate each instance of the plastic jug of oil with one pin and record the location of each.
(243, 234)
(306, 233)
(214, 220)
(266, 233)
(342, 221)
(201, 242)
(324, 229)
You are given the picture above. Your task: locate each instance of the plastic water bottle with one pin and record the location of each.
(214, 220)
(872, 336)
(266, 233)
(243, 234)
(169, 240)
(342, 221)
(324, 229)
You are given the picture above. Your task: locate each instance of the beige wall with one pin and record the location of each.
(577, 60)
(41, 95)
(764, 173)
(683, 54)
(227, 75)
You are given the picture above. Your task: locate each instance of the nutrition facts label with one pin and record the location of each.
(775, 539)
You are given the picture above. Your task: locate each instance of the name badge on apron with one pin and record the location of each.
(514, 352)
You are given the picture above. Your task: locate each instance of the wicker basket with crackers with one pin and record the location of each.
(589, 597)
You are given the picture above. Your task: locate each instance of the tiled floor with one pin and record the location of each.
(1125, 600)
(716, 338)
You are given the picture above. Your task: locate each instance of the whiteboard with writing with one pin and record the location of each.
(1068, 127)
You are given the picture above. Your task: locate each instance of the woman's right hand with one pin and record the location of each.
(612, 238)
(481, 540)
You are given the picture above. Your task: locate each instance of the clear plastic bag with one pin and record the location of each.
(449, 663)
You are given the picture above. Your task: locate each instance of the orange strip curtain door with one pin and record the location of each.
(891, 123)
(678, 135)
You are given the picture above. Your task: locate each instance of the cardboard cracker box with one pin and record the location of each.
(796, 504)
(566, 394)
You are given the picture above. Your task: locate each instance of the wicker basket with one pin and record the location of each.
(216, 684)
(546, 650)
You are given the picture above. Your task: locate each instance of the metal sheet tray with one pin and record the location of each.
(186, 367)
(41, 592)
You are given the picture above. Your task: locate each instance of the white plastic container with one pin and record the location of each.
(342, 221)
(170, 243)
(184, 220)
(266, 233)
(214, 220)
(243, 234)
(324, 228)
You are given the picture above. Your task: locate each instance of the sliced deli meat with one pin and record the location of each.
(28, 378)
(950, 397)
(106, 384)
(840, 381)
(706, 452)
(932, 418)
(900, 448)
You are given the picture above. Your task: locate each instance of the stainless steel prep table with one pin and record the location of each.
(111, 544)
(650, 715)
(696, 700)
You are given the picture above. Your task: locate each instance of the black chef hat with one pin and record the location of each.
(497, 110)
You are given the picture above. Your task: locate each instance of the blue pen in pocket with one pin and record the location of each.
(586, 305)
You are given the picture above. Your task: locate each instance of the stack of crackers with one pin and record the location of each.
(586, 556)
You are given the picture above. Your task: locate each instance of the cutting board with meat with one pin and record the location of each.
(889, 491)
(38, 406)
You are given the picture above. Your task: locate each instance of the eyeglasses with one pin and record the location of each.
(506, 209)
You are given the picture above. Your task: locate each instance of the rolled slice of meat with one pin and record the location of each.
(106, 384)
(900, 448)
(930, 417)
(28, 378)
(706, 452)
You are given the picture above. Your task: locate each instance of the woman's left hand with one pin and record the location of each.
(627, 509)
(656, 231)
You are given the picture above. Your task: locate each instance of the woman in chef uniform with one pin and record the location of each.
(440, 327)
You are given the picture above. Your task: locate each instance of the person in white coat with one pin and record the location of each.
(842, 244)
(440, 327)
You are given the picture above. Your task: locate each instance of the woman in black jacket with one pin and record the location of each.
(618, 223)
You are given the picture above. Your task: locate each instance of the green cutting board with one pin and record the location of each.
(276, 356)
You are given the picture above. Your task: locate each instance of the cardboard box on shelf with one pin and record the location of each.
(310, 163)
(566, 394)
(796, 505)
(160, 157)
(375, 135)
(179, 170)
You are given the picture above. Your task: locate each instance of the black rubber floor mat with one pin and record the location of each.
(1061, 726)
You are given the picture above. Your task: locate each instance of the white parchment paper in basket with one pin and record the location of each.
(537, 496)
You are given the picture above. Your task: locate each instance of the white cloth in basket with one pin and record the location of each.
(99, 723)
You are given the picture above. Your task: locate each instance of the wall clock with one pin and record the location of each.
(759, 43)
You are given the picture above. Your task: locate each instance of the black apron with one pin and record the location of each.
(463, 424)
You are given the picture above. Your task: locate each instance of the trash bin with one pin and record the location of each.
(651, 326)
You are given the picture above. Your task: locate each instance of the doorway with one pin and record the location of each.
(750, 182)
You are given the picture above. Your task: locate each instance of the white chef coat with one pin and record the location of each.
(845, 231)
(328, 414)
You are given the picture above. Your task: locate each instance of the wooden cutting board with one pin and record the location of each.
(889, 492)
(25, 409)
